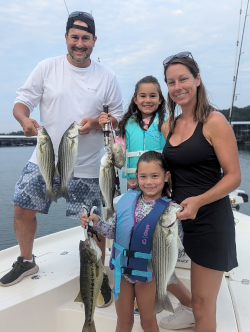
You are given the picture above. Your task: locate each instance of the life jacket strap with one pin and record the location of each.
(120, 270)
(126, 270)
(136, 254)
(133, 154)
(138, 153)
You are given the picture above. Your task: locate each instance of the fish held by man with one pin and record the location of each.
(165, 246)
(107, 181)
(46, 161)
(91, 275)
(67, 155)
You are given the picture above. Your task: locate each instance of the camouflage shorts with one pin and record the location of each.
(30, 192)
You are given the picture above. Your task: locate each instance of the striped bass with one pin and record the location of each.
(107, 181)
(46, 161)
(67, 154)
(165, 246)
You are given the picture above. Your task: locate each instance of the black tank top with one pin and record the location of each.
(193, 165)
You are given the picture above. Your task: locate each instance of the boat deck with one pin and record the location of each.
(47, 304)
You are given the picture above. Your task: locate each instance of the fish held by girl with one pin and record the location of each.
(113, 157)
(46, 161)
(67, 155)
(91, 275)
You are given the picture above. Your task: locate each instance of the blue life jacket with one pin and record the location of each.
(139, 141)
(131, 250)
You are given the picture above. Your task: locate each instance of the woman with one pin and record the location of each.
(199, 143)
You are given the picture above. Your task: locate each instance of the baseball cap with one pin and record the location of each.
(82, 16)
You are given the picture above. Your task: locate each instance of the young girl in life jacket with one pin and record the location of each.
(140, 128)
(127, 227)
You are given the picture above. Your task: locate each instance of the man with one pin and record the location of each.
(69, 88)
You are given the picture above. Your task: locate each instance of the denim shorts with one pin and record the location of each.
(30, 193)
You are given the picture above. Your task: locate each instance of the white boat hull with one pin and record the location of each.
(47, 304)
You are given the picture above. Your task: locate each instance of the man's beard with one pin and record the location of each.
(79, 60)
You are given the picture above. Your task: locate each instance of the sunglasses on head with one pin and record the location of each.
(87, 15)
(179, 55)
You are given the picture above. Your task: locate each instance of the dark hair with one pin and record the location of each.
(202, 107)
(133, 110)
(149, 156)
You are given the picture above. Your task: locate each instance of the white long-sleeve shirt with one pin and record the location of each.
(66, 94)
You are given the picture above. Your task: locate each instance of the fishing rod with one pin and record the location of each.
(236, 76)
(107, 140)
(106, 130)
(97, 50)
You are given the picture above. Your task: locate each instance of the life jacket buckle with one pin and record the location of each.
(126, 270)
(128, 253)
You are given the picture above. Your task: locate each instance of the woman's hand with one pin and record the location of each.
(85, 220)
(104, 118)
(190, 206)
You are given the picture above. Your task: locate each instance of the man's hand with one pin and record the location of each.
(86, 126)
(104, 118)
(29, 126)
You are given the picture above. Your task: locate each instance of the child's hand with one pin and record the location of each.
(85, 220)
(132, 183)
(104, 118)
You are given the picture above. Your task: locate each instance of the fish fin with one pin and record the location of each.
(100, 300)
(89, 327)
(59, 193)
(150, 267)
(162, 304)
(78, 298)
(50, 194)
(62, 192)
(110, 213)
(166, 303)
(57, 170)
(179, 243)
(100, 270)
(173, 279)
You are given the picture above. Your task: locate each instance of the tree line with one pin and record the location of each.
(239, 114)
(14, 133)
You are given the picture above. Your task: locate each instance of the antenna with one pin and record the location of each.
(97, 50)
(66, 6)
(236, 76)
(90, 7)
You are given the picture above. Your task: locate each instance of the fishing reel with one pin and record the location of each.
(106, 131)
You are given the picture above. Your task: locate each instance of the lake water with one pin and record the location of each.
(12, 161)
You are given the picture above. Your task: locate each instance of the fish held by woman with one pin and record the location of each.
(165, 246)
(46, 161)
(67, 155)
(91, 275)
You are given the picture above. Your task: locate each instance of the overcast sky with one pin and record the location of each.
(134, 37)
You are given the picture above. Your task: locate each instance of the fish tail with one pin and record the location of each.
(162, 304)
(50, 194)
(63, 192)
(89, 327)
